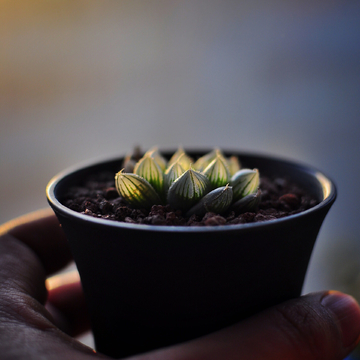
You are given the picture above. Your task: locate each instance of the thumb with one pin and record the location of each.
(318, 326)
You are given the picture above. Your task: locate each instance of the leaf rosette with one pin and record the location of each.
(211, 183)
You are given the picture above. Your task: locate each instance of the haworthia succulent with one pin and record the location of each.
(172, 173)
(248, 203)
(218, 172)
(159, 159)
(245, 182)
(187, 187)
(202, 162)
(187, 190)
(136, 191)
(148, 168)
(180, 156)
(217, 201)
(234, 165)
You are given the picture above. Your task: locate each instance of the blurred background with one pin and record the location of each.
(82, 79)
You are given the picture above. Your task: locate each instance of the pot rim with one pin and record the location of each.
(328, 187)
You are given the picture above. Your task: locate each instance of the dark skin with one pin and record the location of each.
(36, 323)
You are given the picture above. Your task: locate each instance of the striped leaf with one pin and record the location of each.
(180, 156)
(245, 182)
(172, 173)
(218, 172)
(159, 159)
(148, 169)
(234, 165)
(187, 190)
(202, 162)
(217, 201)
(135, 190)
(249, 203)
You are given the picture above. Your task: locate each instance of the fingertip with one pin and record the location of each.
(65, 290)
(347, 312)
(67, 304)
(70, 278)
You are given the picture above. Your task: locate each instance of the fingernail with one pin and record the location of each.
(347, 311)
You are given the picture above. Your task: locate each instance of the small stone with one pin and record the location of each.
(262, 217)
(238, 220)
(208, 215)
(248, 217)
(90, 206)
(231, 216)
(111, 193)
(170, 216)
(122, 212)
(157, 220)
(157, 210)
(215, 220)
(290, 199)
(105, 207)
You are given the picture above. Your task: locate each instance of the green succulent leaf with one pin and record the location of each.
(218, 172)
(172, 173)
(184, 160)
(245, 182)
(148, 169)
(217, 201)
(187, 190)
(202, 162)
(136, 191)
(234, 165)
(249, 203)
(159, 159)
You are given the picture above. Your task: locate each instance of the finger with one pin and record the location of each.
(30, 246)
(21, 272)
(317, 326)
(27, 330)
(41, 231)
(22, 275)
(66, 303)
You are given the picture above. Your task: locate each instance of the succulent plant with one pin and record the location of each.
(211, 183)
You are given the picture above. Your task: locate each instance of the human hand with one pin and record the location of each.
(40, 324)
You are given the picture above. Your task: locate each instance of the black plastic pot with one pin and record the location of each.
(151, 286)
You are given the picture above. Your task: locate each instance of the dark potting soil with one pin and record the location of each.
(98, 197)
